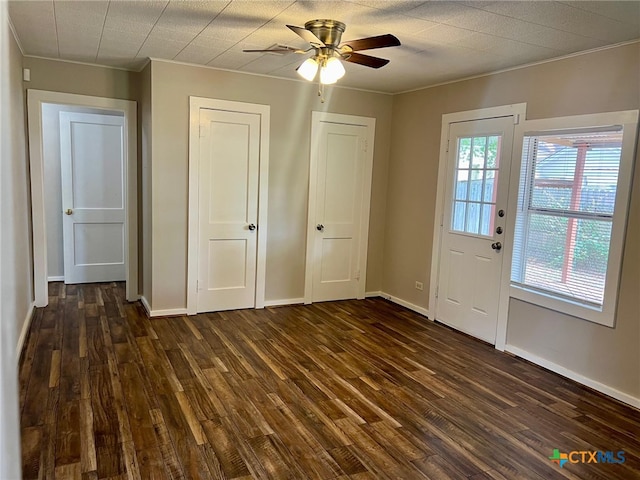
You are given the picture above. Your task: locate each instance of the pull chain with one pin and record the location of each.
(321, 91)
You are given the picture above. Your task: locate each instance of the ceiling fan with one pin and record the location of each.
(324, 35)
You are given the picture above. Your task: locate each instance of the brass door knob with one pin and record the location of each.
(68, 211)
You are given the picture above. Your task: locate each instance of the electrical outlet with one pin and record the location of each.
(419, 286)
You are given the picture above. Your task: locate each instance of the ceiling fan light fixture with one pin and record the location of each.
(325, 39)
(308, 69)
(331, 71)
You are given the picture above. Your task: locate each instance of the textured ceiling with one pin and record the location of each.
(441, 41)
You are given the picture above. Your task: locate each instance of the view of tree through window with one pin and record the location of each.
(475, 184)
(566, 205)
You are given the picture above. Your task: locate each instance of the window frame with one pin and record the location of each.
(628, 120)
(481, 202)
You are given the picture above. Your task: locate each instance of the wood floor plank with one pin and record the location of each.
(374, 455)
(88, 459)
(334, 390)
(69, 470)
(151, 464)
(27, 356)
(436, 468)
(232, 463)
(137, 407)
(31, 452)
(37, 389)
(68, 433)
(167, 449)
(181, 437)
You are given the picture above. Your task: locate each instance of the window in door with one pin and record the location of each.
(572, 206)
(475, 180)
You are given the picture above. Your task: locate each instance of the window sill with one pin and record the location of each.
(600, 315)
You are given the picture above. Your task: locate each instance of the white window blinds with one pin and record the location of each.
(566, 202)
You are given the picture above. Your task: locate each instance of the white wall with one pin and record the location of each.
(15, 252)
(52, 183)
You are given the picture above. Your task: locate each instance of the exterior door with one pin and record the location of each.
(93, 197)
(473, 225)
(337, 216)
(228, 209)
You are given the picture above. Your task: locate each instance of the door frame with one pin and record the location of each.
(35, 99)
(518, 111)
(370, 123)
(195, 104)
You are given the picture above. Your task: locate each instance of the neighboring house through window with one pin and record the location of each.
(572, 207)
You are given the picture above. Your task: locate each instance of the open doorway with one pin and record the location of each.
(84, 190)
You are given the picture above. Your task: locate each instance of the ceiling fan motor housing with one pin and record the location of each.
(328, 31)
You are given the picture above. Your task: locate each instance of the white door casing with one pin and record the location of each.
(35, 100)
(339, 200)
(228, 209)
(228, 175)
(467, 273)
(93, 197)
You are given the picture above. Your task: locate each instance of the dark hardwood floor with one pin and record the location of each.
(351, 389)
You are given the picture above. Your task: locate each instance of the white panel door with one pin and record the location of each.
(93, 197)
(473, 225)
(338, 212)
(228, 209)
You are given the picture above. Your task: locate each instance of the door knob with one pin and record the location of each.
(320, 227)
(252, 227)
(68, 211)
(497, 246)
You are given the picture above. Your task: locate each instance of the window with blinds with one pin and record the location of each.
(571, 210)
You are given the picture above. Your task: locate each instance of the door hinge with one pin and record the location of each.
(203, 130)
(516, 119)
(357, 275)
(365, 145)
(437, 289)
(442, 219)
(447, 145)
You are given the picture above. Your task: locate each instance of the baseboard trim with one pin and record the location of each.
(283, 302)
(170, 312)
(145, 304)
(25, 330)
(421, 310)
(565, 372)
(56, 278)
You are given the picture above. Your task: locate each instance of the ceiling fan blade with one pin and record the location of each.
(381, 41)
(306, 35)
(366, 60)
